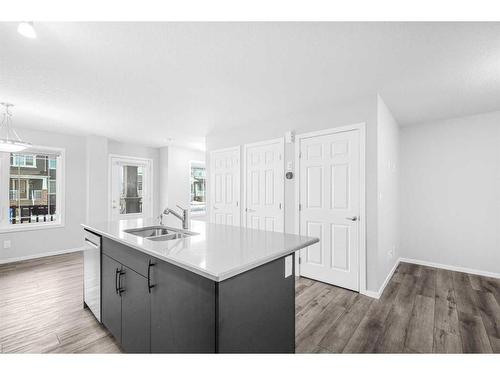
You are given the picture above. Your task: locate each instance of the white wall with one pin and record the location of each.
(97, 178)
(323, 117)
(450, 192)
(163, 174)
(178, 178)
(28, 243)
(388, 181)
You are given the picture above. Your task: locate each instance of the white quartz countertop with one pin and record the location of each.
(217, 252)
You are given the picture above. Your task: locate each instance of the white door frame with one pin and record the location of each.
(131, 159)
(361, 127)
(210, 199)
(281, 141)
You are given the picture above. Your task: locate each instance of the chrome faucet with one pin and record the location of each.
(182, 217)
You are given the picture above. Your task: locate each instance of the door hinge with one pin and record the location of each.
(280, 206)
(300, 207)
(300, 154)
(300, 260)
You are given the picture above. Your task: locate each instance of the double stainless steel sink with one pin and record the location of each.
(160, 233)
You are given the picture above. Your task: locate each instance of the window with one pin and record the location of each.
(198, 188)
(34, 181)
(131, 189)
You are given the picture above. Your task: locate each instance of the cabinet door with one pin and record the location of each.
(135, 312)
(111, 301)
(182, 311)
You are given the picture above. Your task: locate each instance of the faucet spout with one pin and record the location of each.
(183, 216)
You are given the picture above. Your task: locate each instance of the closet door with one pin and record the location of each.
(264, 185)
(224, 186)
(329, 189)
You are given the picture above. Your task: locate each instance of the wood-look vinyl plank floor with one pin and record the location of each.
(41, 309)
(422, 310)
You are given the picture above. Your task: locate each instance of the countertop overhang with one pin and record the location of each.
(217, 252)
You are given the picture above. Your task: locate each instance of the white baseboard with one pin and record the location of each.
(472, 271)
(377, 294)
(451, 268)
(370, 293)
(41, 255)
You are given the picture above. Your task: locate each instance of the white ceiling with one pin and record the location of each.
(147, 82)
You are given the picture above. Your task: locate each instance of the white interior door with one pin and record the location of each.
(224, 185)
(264, 185)
(131, 189)
(329, 193)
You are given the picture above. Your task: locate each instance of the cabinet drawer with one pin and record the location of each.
(127, 256)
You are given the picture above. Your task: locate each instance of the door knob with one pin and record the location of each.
(352, 218)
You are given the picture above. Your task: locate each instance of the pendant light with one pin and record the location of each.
(9, 139)
(27, 30)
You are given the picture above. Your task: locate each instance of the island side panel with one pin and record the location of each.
(182, 311)
(256, 311)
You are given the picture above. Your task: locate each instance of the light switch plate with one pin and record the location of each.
(288, 265)
(6, 244)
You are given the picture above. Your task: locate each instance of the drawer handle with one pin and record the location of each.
(120, 289)
(117, 275)
(150, 286)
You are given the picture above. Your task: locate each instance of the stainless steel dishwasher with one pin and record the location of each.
(92, 273)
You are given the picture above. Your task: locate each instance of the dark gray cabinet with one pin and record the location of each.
(150, 305)
(256, 311)
(182, 311)
(111, 302)
(135, 312)
(125, 303)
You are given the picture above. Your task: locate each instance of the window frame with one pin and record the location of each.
(5, 226)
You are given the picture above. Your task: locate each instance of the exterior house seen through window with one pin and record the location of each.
(198, 187)
(131, 196)
(33, 188)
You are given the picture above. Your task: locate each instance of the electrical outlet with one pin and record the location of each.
(392, 251)
(6, 244)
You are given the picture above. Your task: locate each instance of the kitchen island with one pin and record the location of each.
(212, 289)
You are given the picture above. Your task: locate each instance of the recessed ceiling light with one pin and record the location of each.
(27, 30)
